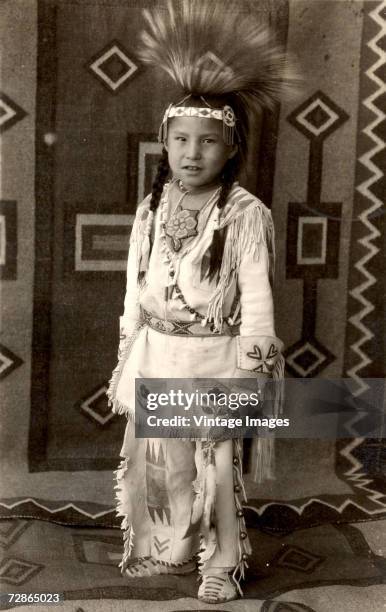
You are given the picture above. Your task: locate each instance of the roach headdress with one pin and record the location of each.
(210, 48)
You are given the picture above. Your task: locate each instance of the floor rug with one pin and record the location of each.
(81, 564)
(332, 485)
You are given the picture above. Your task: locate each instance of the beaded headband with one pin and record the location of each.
(226, 115)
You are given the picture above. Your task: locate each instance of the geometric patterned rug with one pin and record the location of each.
(336, 484)
(82, 565)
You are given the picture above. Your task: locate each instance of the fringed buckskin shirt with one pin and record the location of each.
(241, 294)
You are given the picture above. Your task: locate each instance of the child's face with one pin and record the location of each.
(196, 150)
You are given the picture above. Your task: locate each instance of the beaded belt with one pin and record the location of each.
(186, 328)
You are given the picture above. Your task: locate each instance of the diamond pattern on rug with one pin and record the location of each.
(10, 531)
(297, 559)
(10, 113)
(317, 117)
(113, 66)
(8, 361)
(95, 407)
(307, 357)
(210, 62)
(17, 571)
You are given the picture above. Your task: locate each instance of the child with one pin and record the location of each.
(198, 301)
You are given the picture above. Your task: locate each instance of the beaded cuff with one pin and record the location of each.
(258, 353)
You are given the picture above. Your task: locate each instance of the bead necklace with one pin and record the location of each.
(182, 223)
(194, 314)
(164, 205)
(179, 203)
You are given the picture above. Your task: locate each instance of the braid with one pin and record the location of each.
(229, 175)
(160, 180)
(156, 193)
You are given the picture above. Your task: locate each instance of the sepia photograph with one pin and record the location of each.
(192, 260)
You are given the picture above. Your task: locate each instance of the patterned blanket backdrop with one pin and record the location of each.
(79, 114)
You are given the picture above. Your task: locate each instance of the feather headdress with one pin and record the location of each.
(211, 48)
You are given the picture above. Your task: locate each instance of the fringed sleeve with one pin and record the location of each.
(258, 348)
(259, 351)
(131, 303)
(129, 322)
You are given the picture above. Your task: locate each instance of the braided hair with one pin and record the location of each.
(160, 180)
(229, 175)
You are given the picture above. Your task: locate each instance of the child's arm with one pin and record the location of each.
(129, 321)
(131, 310)
(258, 348)
(130, 314)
